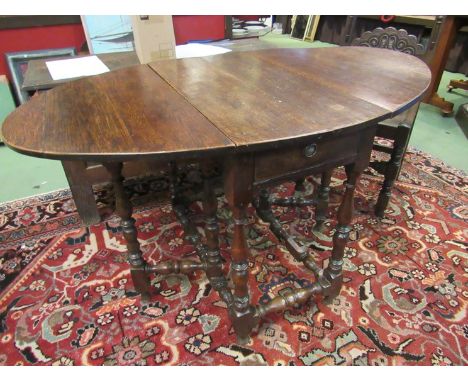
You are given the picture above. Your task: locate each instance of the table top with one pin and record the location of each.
(37, 76)
(211, 105)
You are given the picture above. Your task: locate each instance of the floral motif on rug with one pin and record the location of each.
(66, 295)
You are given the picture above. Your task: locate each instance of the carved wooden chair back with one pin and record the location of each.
(391, 38)
(397, 129)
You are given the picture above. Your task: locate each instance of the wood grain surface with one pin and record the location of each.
(128, 113)
(37, 76)
(281, 94)
(236, 101)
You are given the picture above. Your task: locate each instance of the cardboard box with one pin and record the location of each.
(154, 38)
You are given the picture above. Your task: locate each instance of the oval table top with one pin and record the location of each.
(206, 105)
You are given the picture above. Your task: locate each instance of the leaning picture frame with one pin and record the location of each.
(311, 28)
(108, 33)
(299, 26)
(17, 63)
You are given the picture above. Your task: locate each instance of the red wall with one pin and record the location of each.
(189, 28)
(57, 36)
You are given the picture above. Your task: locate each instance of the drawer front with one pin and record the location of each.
(320, 151)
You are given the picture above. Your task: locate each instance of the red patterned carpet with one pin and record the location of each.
(66, 297)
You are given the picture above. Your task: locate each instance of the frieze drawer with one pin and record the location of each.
(285, 161)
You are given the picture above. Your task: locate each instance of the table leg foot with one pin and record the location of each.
(243, 321)
(242, 341)
(331, 287)
(141, 283)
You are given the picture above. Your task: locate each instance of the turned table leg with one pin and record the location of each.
(300, 185)
(214, 263)
(238, 189)
(210, 259)
(332, 275)
(124, 210)
(323, 196)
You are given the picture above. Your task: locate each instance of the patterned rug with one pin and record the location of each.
(66, 297)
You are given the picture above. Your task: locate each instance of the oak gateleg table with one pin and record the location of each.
(265, 117)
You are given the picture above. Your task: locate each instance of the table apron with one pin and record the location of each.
(318, 154)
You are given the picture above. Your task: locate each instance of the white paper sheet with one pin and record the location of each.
(76, 67)
(198, 50)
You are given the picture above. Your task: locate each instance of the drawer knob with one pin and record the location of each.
(310, 150)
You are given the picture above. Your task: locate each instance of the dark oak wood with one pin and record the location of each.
(176, 267)
(281, 86)
(333, 272)
(123, 208)
(392, 168)
(122, 115)
(390, 38)
(328, 281)
(305, 156)
(265, 116)
(214, 264)
(239, 178)
(83, 175)
(323, 198)
(350, 27)
(209, 254)
(37, 76)
(290, 299)
(82, 191)
(300, 185)
(299, 252)
(300, 72)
